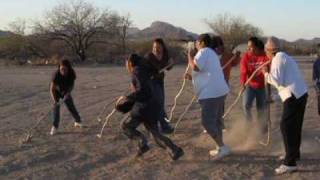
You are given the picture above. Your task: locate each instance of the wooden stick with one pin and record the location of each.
(229, 62)
(179, 94)
(108, 118)
(268, 116)
(243, 88)
(104, 109)
(29, 134)
(184, 112)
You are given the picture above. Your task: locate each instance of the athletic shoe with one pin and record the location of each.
(177, 154)
(214, 152)
(145, 148)
(204, 131)
(285, 169)
(77, 124)
(220, 153)
(223, 130)
(166, 119)
(282, 157)
(53, 131)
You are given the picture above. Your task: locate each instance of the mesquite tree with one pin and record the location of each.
(80, 25)
(233, 29)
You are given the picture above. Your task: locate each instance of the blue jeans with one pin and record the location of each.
(71, 107)
(248, 97)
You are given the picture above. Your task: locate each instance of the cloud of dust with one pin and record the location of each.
(243, 135)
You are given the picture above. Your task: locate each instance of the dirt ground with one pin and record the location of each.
(78, 154)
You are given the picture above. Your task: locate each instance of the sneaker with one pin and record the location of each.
(214, 152)
(204, 131)
(282, 157)
(285, 169)
(145, 148)
(53, 131)
(166, 119)
(220, 153)
(177, 154)
(77, 124)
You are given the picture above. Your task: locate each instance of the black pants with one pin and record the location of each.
(159, 94)
(291, 127)
(71, 107)
(130, 130)
(318, 104)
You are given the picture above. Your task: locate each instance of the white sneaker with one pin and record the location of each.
(220, 153)
(166, 119)
(214, 152)
(285, 169)
(76, 124)
(53, 131)
(282, 157)
(204, 131)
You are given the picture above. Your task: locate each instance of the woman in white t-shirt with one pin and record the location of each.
(211, 89)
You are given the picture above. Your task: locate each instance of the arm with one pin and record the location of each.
(236, 59)
(276, 75)
(170, 64)
(243, 70)
(142, 90)
(315, 74)
(192, 63)
(68, 91)
(52, 94)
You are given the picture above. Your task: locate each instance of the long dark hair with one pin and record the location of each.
(257, 43)
(216, 41)
(160, 41)
(134, 59)
(206, 39)
(71, 73)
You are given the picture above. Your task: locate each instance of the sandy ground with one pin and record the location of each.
(79, 154)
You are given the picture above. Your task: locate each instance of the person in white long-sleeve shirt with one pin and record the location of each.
(286, 77)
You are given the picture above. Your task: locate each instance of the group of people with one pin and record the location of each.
(211, 65)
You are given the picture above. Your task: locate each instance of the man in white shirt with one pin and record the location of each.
(211, 90)
(285, 76)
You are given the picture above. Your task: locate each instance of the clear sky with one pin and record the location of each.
(289, 19)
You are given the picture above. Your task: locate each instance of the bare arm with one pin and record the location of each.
(192, 63)
(52, 94)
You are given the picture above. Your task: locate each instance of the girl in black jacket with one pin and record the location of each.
(159, 59)
(145, 109)
(60, 88)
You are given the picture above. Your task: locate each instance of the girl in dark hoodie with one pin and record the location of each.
(145, 109)
(159, 59)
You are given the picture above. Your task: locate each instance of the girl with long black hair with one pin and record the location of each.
(60, 88)
(159, 59)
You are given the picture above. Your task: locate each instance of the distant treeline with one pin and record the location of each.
(85, 33)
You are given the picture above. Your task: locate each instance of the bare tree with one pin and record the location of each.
(18, 26)
(234, 30)
(125, 24)
(80, 25)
